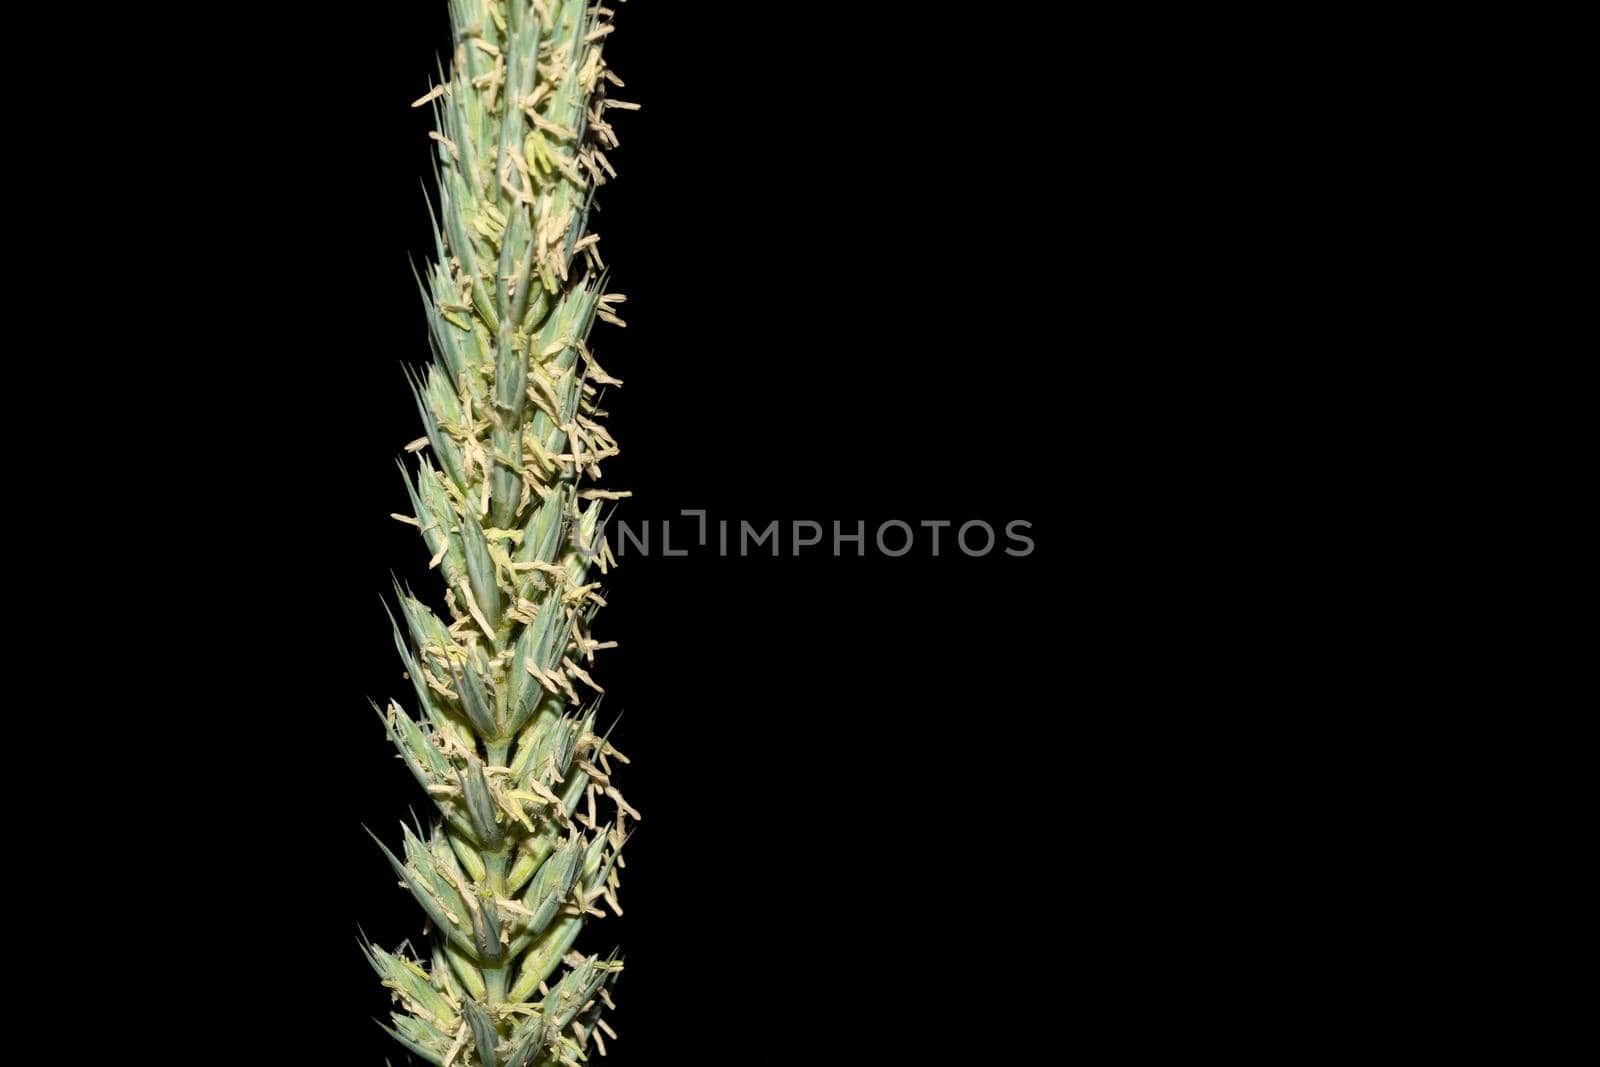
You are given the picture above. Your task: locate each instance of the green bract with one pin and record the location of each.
(528, 841)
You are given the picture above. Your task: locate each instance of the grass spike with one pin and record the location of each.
(507, 874)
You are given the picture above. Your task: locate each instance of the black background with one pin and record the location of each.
(1105, 272)
(878, 264)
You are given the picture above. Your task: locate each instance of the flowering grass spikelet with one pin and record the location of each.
(499, 722)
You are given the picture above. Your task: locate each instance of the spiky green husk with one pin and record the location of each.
(504, 743)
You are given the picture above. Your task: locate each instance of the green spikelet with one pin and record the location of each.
(503, 736)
